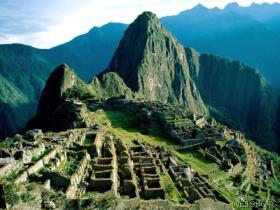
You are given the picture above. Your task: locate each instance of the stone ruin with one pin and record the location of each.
(75, 162)
(146, 168)
(189, 130)
(104, 173)
(23, 151)
(192, 186)
(70, 114)
(231, 155)
(128, 184)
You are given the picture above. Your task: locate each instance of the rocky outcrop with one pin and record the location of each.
(153, 64)
(69, 114)
(109, 85)
(59, 81)
(236, 94)
(52, 99)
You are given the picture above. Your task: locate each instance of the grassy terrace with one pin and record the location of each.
(123, 126)
(201, 165)
(69, 165)
(172, 193)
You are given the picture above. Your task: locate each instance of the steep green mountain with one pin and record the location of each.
(153, 64)
(109, 85)
(155, 68)
(23, 71)
(13, 101)
(249, 34)
(236, 94)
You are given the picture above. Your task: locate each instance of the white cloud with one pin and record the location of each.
(69, 18)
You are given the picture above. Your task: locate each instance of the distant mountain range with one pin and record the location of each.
(234, 32)
(249, 34)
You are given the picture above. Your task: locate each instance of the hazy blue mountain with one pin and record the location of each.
(249, 34)
(89, 54)
(262, 12)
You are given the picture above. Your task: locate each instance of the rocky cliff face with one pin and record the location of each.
(153, 64)
(59, 81)
(236, 94)
(109, 85)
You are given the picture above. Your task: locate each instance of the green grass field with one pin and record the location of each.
(123, 127)
(202, 165)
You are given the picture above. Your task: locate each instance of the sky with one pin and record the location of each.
(47, 23)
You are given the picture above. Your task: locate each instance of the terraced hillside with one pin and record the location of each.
(114, 161)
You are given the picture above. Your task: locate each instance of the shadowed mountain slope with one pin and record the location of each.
(236, 95)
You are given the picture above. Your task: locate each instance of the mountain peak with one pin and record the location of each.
(147, 14)
(153, 64)
(146, 21)
(135, 41)
(60, 80)
(233, 5)
(199, 8)
(62, 67)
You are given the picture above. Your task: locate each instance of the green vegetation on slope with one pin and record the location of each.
(23, 71)
(109, 85)
(202, 165)
(123, 126)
